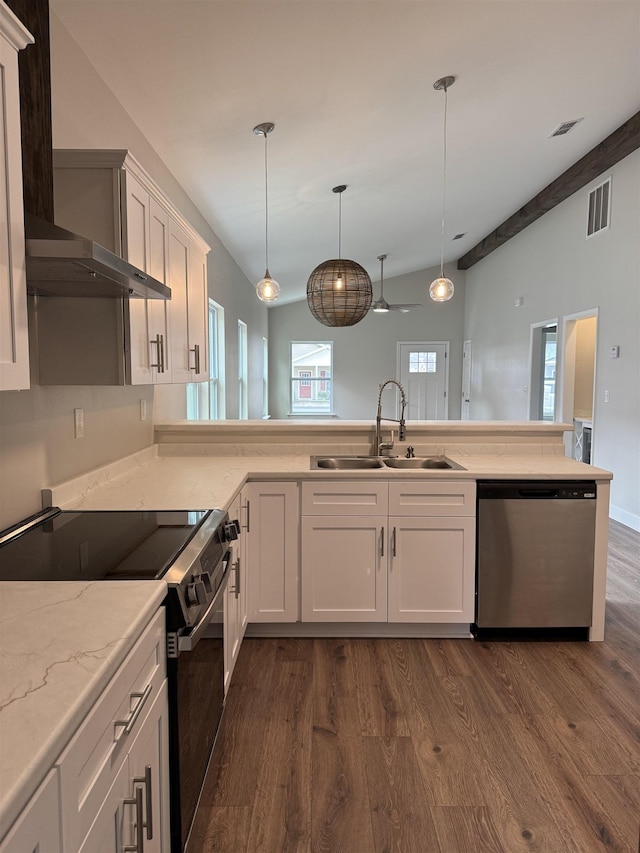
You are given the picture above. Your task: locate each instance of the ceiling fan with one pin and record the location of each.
(381, 306)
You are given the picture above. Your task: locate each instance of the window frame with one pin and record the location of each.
(318, 378)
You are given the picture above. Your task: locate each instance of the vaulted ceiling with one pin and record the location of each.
(349, 86)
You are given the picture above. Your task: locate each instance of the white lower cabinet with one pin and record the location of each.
(344, 569)
(133, 815)
(109, 790)
(236, 599)
(383, 566)
(106, 761)
(431, 569)
(38, 828)
(269, 518)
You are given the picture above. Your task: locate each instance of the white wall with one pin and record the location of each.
(37, 447)
(559, 273)
(365, 355)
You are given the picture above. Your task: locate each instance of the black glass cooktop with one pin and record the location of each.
(97, 545)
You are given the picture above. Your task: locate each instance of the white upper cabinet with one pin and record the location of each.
(107, 196)
(14, 339)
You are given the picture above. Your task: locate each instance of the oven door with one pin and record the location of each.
(196, 702)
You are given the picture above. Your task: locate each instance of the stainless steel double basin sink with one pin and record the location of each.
(360, 463)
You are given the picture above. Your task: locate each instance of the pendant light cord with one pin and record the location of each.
(444, 181)
(266, 207)
(340, 226)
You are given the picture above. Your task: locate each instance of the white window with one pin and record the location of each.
(265, 378)
(206, 400)
(243, 370)
(311, 374)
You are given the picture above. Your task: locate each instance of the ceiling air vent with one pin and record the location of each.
(565, 127)
(599, 214)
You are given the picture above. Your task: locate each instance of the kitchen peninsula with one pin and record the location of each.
(198, 464)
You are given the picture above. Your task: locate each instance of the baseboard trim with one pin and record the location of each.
(358, 629)
(624, 517)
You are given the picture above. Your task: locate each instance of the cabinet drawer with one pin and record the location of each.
(433, 497)
(343, 498)
(91, 760)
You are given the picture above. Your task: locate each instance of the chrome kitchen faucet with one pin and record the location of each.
(388, 445)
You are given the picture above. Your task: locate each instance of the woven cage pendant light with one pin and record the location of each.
(267, 289)
(441, 289)
(339, 291)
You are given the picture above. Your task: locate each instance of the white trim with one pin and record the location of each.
(624, 517)
(447, 359)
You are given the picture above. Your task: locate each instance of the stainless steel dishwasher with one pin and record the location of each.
(535, 545)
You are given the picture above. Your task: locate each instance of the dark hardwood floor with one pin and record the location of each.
(434, 746)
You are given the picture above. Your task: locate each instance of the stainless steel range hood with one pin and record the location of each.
(60, 263)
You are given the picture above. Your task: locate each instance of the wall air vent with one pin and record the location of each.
(565, 127)
(599, 214)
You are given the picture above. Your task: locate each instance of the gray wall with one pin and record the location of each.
(559, 273)
(37, 447)
(365, 355)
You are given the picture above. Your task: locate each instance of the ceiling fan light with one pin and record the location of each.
(441, 289)
(267, 289)
(380, 308)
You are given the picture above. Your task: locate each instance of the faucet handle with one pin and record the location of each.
(410, 453)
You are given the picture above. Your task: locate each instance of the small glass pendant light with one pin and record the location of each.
(441, 289)
(267, 289)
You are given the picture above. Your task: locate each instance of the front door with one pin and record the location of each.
(423, 368)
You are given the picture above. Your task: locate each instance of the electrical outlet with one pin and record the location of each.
(606, 396)
(143, 409)
(78, 423)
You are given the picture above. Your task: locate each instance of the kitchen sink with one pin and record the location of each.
(346, 463)
(423, 462)
(359, 463)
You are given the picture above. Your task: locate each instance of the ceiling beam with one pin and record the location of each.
(610, 151)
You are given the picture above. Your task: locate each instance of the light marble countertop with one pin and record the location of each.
(196, 481)
(60, 644)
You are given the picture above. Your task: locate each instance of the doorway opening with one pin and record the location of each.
(580, 333)
(543, 371)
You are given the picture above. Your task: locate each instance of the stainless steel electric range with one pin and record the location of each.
(189, 549)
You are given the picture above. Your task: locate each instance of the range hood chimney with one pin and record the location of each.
(58, 262)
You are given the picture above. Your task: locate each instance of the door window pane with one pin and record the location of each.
(422, 362)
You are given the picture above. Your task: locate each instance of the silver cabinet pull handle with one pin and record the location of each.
(382, 541)
(393, 540)
(146, 781)
(196, 353)
(130, 722)
(159, 343)
(136, 801)
(237, 586)
(247, 526)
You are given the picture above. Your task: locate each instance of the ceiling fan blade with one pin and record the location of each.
(404, 308)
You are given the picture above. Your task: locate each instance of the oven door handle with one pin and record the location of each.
(187, 642)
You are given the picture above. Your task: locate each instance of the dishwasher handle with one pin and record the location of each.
(536, 490)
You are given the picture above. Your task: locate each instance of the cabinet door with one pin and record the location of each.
(38, 827)
(14, 340)
(232, 617)
(270, 519)
(431, 569)
(113, 827)
(198, 316)
(158, 310)
(149, 771)
(178, 278)
(344, 569)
